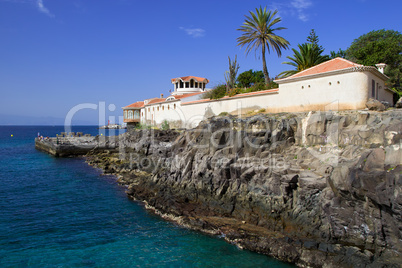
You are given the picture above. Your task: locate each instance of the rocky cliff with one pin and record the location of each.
(316, 189)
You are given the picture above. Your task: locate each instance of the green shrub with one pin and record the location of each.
(234, 91)
(258, 87)
(272, 85)
(223, 114)
(165, 125)
(215, 93)
(142, 126)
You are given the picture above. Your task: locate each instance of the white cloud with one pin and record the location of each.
(194, 32)
(43, 9)
(301, 6)
(294, 8)
(38, 4)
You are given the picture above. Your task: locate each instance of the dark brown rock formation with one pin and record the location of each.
(316, 189)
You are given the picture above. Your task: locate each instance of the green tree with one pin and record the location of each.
(259, 32)
(381, 46)
(340, 53)
(230, 76)
(313, 39)
(247, 78)
(308, 56)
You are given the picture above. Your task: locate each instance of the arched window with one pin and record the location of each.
(130, 114)
(125, 114)
(136, 114)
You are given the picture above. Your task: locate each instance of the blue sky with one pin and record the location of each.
(57, 54)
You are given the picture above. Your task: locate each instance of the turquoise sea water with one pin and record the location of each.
(60, 212)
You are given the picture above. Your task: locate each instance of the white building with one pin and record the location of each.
(156, 110)
(337, 84)
(188, 84)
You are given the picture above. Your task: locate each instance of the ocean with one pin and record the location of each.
(60, 212)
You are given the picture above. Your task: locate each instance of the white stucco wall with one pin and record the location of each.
(336, 92)
(196, 112)
(155, 114)
(383, 94)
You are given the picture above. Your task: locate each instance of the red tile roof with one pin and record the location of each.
(137, 104)
(188, 78)
(156, 100)
(328, 66)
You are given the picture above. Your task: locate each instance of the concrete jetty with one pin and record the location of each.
(74, 145)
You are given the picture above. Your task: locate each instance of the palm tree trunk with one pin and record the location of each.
(264, 65)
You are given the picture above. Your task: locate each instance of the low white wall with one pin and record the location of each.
(196, 112)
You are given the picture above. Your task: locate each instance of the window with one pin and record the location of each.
(136, 114)
(130, 114)
(163, 108)
(157, 108)
(125, 114)
(168, 107)
(372, 88)
(187, 84)
(376, 91)
(174, 106)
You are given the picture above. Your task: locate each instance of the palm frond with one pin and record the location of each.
(259, 33)
(308, 56)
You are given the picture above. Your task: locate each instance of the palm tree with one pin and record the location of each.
(259, 32)
(309, 56)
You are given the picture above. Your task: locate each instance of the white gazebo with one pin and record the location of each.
(188, 84)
